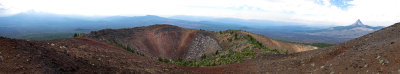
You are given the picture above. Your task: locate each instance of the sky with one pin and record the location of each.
(310, 12)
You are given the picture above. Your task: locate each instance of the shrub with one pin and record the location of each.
(75, 35)
(236, 36)
(248, 52)
(217, 52)
(321, 45)
(275, 50)
(203, 56)
(126, 47)
(163, 60)
(286, 52)
(229, 39)
(254, 42)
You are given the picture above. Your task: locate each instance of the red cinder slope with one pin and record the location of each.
(164, 41)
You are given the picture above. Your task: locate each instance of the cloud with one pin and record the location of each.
(312, 12)
(343, 4)
(2, 10)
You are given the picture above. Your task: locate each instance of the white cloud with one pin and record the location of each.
(372, 12)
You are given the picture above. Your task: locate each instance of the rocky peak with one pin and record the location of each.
(358, 23)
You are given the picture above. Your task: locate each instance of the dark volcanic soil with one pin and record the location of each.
(378, 52)
(74, 55)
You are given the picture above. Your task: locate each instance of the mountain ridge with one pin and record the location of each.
(33, 25)
(354, 30)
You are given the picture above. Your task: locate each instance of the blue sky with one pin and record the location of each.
(343, 4)
(311, 12)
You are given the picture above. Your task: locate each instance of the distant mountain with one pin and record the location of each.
(35, 23)
(354, 30)
(258, 24)
(358, 23)
(286, 31)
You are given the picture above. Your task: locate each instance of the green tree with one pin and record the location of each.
(76, 35)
